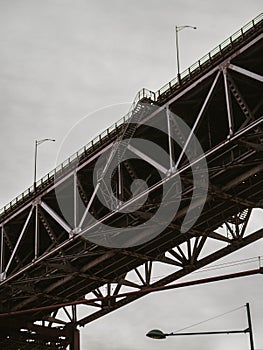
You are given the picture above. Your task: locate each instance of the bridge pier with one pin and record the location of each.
(75, 340)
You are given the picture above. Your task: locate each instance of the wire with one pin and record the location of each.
(209, 319)
(232, 263)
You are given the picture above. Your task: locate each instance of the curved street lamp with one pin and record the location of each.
(177, 30)
(37, 143)
(158, 334)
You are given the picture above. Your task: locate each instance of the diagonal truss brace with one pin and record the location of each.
(19, 240)
(56, 217)
(246, 72)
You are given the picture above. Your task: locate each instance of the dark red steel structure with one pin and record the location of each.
(46, 261)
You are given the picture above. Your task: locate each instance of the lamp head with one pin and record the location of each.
(156, 334)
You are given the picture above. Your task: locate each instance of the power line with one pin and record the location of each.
(232, 263)
(209, 319)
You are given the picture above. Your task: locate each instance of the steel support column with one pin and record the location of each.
(228, 104)
(75, 184)
(36, 232)
(2, 250)
(75, 340)
(169, 138)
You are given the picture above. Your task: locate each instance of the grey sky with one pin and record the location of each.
(60, 61)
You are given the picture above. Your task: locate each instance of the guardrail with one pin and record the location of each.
(217, 52)
(149, 95)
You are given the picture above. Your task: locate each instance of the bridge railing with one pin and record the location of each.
(144, 94)
(213, 55)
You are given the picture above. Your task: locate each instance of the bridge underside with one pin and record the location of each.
(45, 259)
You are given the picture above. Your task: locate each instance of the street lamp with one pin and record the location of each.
(37, 143)
(158, 334)
(177, 30)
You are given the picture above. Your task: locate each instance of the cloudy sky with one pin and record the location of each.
(62, 60)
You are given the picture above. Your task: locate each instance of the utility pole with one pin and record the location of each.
(250, 327)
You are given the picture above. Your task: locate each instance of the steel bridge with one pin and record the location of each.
(50, 263)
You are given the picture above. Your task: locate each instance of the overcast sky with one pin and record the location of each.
(60, 61)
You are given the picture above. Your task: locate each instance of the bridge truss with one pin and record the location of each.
(46, 264)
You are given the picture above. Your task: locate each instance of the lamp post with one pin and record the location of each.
(37, 143)
(177, 30)
(158, 334)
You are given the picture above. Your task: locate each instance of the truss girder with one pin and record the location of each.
(187, 268)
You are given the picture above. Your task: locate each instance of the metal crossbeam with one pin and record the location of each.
(246, 72)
